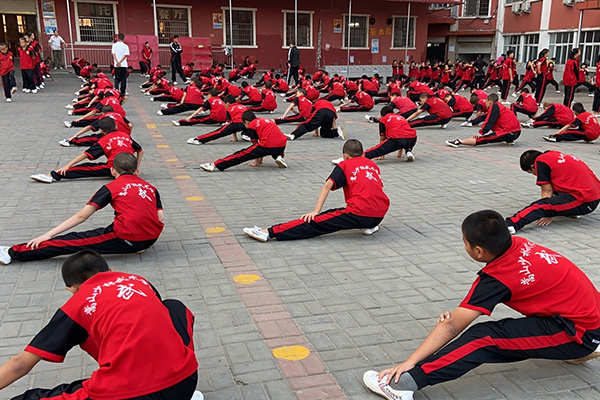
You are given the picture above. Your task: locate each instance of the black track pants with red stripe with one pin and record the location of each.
(492, 137)
(194, 121)
(562, 204)
(428, 120)
(101, 240)
(549, 122)
(355, 108)
(520, 109)
(183, 321)
(390, 145)
(223, 131)
(326, 222)
(540, 88)
(322, 119)
(571, 135)
(507, 340)
(466, 115)
(86, 141)
(332, 97)
(165, 97)
(81, 123)
(85, 170)
(569, 94)
(287, 120)
(176, 109)
(251, 153)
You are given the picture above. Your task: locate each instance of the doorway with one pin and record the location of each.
(436, 51)
(15, 26)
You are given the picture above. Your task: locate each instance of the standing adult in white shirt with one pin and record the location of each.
(56, 43)
(120, 52)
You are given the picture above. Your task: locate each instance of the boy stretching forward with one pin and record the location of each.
(560, 304)
(322, 121)
(366, 203)
(268, 141)
(301, 103)
(137, 224)
(585, 127)
(440, 113)
(214, 104)
(143, 344)
(554, 116)
(234, 124)
(569, 188)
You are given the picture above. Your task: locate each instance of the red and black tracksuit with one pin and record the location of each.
(254, 97)
(576, 188)
(322, 118)
(234, 125)
(439, 113)
(121, 122)
(135, 228)
(461, 107)
(367, 85)
(416, 88)
(526, 104)
(364, 102)
(560, 304)
(27, 65)
(175, 95)
(540, 87)
(483, 110)
(269, 102)
(527, 80)
(193, 100)
(268, 141)
(305, 109)
(570, 78)
(596, 102)
(555, 116)
(395, 134)
(501, 125)
(337, 92)
(405, 106)
(7, 72)
(366, 203)
(218, 113)
(508, 66)
(585, 127)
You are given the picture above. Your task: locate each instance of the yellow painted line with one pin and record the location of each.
(215, 229)
(246, 279)
(151, 126)
(162, 146)
(163, 125)
(194, 198)
(291, 353)
(157, 135)
(182, 177)
(172, 159)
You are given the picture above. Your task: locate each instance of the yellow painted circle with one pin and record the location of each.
(246, 279)
(194, 198)
(182, 177)
(172, 159)
(157, 135)
(216, 229)
(291, 353)
(162, 146)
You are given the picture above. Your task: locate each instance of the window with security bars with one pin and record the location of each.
(357, 30)
(400, 29)
(439, 6)
(476, 8)
(243, 28)
(530, 47)
(590, 47)
(171, 22)
(560, 45)
(304, 29)
(512, 42)
(96, 22)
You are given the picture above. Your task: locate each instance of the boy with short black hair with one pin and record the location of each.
(560, 304)
(192, 99)
(302, 104)
(439, 112)
(269, 100)
(569, 188)
(214, 104)
(585, 127)
(136, 227)
(254, 97)
(366, 203)
(363, 101)
(554, 116)
(268, 141)
(120, 320)
(7, 72)
(525, 104)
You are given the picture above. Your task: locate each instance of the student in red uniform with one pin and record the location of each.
(509, 69)
(525, 104)
(192, 99)
(234, 124)
(27, 66)
(541, 69)
(322, 121)
(303, 106)
(395, 134)
(267, 138)
(90, 124)
(137, 224)
(175, 94)
(112, 143)
(253, 94)
(336, 91)
(405, 106)
(550, 75)
(585, 127)
(364, 102)
(569, 188)
(596, 102)
(143, 344)
(146, 62)
(528, 79)
(501, 125)
(366, 203)
(367, 85)
(461, 107)
(560, 304)
(214, 104)
(7, 72)
(280, 86)
(439, 112)
(571, 75)
(269, 101)
(416, 88)
(554, 116)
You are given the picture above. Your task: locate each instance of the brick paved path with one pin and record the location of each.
(355, 302)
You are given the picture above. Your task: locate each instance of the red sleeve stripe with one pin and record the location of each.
(91, 203)
(45, 355)
(334, 184)
(475, 308)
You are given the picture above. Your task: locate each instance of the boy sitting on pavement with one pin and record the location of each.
(585, 127)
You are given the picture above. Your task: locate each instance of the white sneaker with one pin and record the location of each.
(147, 94)
(4, 257)
(506, 103)
(514, 95)
(8, 100)
(151, 98)
(197, 396)
(175, 83)
(27, 90)
(527, 124)
(246, 138)
(193, 140)
(370, 231)
(34, 91)
(453, 143)
(444, 126)
(369, 118)
(372, 383)
(341, 133)
(558, 91)
(164, 106)
(591, 94)
(255, 233)
(272, 112)
(282, 94)
(42, 178)
(410, 156)
(280, 162)
(65, 143)
(512, 230)
(67, 124)
(337, 160)
(289, 136)
(70, 112)
(14, 90)
(174, 122)
(208, 167)
(159, 112)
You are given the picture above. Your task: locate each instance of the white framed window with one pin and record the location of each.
(399, 31)
(530, 47)
(96, 22)
(560, 45)
(590, 47)
(173, 20)
(305, 28)
(358, 27)
(439, 6)
(512, 42)
(476, 8)
(244, 27)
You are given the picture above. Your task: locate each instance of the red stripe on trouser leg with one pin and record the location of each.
(67, 391)
(64, 243)
(525, 343)
(212, 134)
(237, 155)
(97, 167)
(319, 218)
(554, 207)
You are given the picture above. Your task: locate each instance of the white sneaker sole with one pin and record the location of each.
(253, 236)
(38, 178)
(281, 164)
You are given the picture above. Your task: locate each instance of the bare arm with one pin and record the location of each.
(91, 113)
(288, 110)
(72, 222)
(139, 161)
(414, 115)
(547, 190)
(161, 215)
(195, 113)
(17, 367)
(320, 201)
(564, 128)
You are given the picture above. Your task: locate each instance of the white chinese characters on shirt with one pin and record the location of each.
(526, 276)
(143, 190)
(371, 173)
(125, 289)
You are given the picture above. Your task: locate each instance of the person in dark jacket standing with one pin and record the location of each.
(176, 68)
(293, 62)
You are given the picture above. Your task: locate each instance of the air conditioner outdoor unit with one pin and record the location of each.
(526, 7)
(516, 8)
(568, 3)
